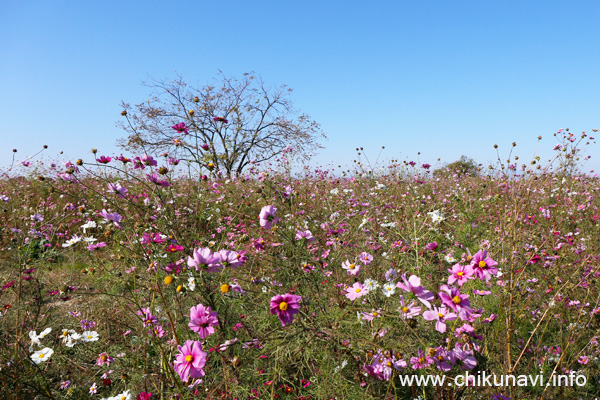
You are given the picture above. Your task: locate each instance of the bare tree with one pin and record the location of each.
(222, 127)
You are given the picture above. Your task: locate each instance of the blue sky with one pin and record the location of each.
(443, 78)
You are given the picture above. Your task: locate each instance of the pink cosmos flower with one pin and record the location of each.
(458, 302)
(421, 361)
(117, 189)
(431, 246)
(483, 265)
(583, 360)
(465, 359)
(148, 160)
(116, 218)
(307, 235)
(442, 359)
(267, 216)
(147, 317)
(203, 320)
(370, 316)
(355, 291)
(383, 367)
(181, 128)
(190, 361)
(408, 311)
(103, 160)
(413, 285)
(104, 358)
(204, 259)
(155, 178)
(365, 258)
(285, 306)
(157, 330)
(228, 258)
(440, 315)
(351, 268)
(460, 273)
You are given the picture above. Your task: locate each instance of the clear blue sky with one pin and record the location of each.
(443, 78)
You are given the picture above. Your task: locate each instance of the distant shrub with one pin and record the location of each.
(464, 166)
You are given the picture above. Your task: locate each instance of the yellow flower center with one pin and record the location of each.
(375, 314)
(460, 273)
(404, 309)
(389, 363)
(357, 290)
(283, 306)
(469, 258)
(440, 315)
(351, 266)
(482, 264)
(179, 288)
(168, 280)
(189, 358)
(224, 288)
(42, 355)
(104, 357)
(421, 360)
(440, 358)
(456, 300)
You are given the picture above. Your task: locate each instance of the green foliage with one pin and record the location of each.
(462, 167)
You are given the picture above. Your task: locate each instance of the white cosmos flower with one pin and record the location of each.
(389, 289)
(371, 284)
(450, 259)
(42, 355)
(191, 283)
(72, 241)
(88, 225)
(90, 336)
(35, 338)
(70, 337)
(436, 216)
(122, 396)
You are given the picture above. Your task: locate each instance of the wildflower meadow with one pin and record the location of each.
(130, 277)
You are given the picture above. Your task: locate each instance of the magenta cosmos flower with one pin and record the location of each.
(285, 306)
(421, 361)
(190, 361)
(267, 216)
(203, 320)
(181, 128)
(458, 302)
(483, 265)
(355, 291)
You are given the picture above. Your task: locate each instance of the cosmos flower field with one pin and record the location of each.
(121, 279)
